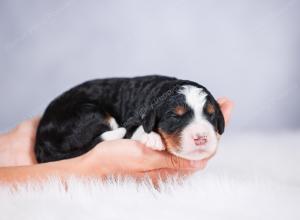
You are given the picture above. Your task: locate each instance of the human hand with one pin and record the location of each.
(226, 108)
(17, 146)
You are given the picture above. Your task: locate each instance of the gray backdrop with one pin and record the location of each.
(246, 50)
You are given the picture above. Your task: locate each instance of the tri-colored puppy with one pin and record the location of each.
(162, 112)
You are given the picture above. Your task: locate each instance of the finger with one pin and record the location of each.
(153, 175)
(170, 161)
(162, 175)
(221, 100)
(28, 125)
(226, 106)
(204, 163)
(35, 120)
(166, 160)
(148, 159)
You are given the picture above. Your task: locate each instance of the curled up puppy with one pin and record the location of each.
(163, 113)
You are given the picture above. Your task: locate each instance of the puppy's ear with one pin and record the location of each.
(213, 109)
(149, 121)
(220, 121)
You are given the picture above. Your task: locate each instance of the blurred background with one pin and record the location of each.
(245, 50)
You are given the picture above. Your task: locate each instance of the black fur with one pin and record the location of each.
(73, 122)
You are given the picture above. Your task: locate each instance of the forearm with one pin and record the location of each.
(40, 172)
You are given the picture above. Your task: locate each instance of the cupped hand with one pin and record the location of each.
(126, 157)
(17, 146)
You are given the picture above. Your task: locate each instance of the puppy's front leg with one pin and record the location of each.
(151, 140)
(118, 133)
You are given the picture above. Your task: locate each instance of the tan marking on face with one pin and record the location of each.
(210, 109)
(107, 118)
(172, 142)
(180, 110)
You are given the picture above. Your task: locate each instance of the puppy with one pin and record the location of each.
(164, 113)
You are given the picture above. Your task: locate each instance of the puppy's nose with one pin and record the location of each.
(200, 140)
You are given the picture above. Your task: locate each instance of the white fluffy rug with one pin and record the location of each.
(251, 177)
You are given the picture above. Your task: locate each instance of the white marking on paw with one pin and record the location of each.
(138, 133)
(113, 123)
(151, 140)
(118, 133)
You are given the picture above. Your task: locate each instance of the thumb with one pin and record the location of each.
(174, 162)
(226, 108)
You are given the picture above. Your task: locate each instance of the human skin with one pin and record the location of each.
(122, 157)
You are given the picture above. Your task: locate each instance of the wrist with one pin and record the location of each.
(88, 165)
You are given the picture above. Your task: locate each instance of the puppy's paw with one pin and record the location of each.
(153, 141)
(118, 133)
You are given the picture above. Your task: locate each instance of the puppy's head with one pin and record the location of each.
(189, 122)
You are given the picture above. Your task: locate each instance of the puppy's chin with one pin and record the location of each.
(195, 155)
(190, 151)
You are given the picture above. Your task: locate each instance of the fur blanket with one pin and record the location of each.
(252, 177)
